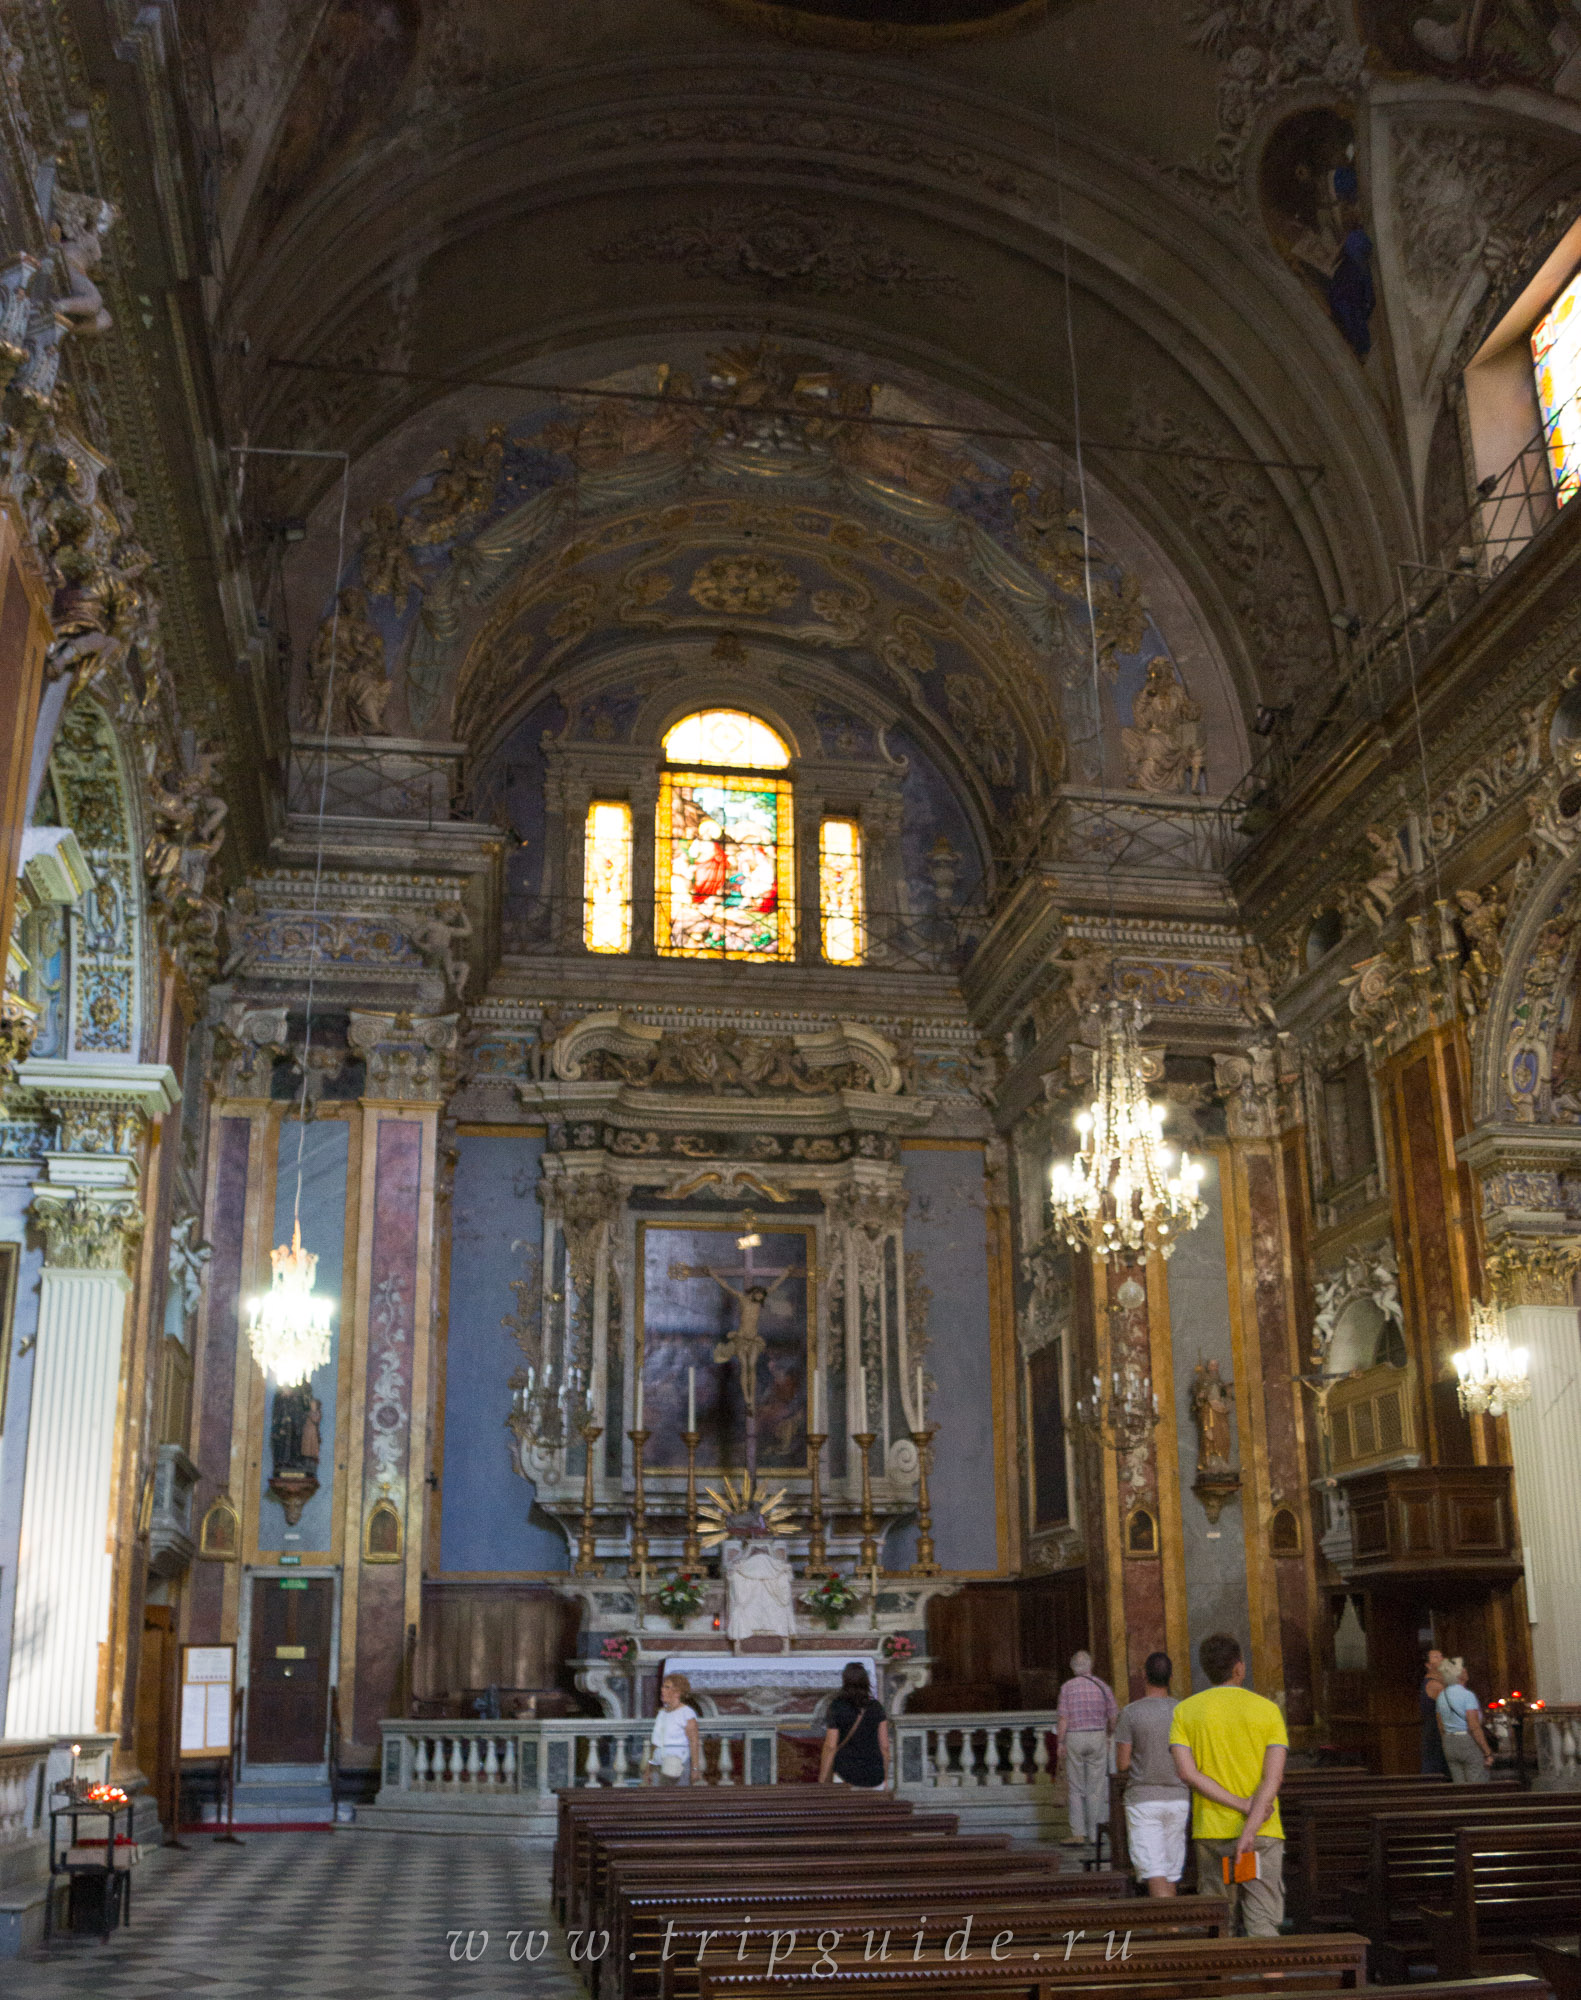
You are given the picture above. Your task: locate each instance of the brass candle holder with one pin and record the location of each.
(591, 1430)
(864, 1440)
(691, 1548)
(925, 1565)
(817, 1547)
(639, 1504)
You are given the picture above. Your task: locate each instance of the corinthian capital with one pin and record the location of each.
(1534, 1270)
(85, 1230)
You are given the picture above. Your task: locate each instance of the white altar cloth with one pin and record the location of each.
(738, 1673)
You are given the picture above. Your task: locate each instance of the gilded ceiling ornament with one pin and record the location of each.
(985, 726)
(770, 242)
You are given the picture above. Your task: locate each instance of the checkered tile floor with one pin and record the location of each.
(307, 1916)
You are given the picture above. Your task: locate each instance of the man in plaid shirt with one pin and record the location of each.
(1087, 1711)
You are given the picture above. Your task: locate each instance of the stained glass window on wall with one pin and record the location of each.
(606, 876)
(840, 891)
(726, 736)
(1556, 361)
(723, 875)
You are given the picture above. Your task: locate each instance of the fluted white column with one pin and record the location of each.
(1545, 1440)
(1533, 1280)
(64, 1562)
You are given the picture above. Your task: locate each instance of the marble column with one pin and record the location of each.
(1534, 1280)
(64, 1561)
(86, 1209)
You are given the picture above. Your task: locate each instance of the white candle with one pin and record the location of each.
(814, 1424)
(862, 1391)
(691, 1399)
(919, 1396)
(638, 1425)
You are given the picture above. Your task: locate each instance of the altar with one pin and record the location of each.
(790, 1684)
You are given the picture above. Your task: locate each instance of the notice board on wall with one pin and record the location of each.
(208, 1688)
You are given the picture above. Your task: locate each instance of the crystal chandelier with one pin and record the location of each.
(1116, 1196)
(1493, 1375)
(290, 1323)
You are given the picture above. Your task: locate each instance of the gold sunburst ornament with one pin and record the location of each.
(729, 1513)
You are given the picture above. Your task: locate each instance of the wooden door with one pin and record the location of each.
(288, 1670)
(154, 1735)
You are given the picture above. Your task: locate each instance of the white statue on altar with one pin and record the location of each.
(758, 1590)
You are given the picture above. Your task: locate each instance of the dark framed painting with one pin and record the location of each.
(1046, 1411)
(695, 1279)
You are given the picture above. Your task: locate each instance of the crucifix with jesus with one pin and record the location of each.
(745, 1345)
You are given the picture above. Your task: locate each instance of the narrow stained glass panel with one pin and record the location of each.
(726, 736)
(840, 891)
(1556, 363)
(606, 876)
(724, 883)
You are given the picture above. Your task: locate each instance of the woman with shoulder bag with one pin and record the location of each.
(856, 1742)
(675, 1750)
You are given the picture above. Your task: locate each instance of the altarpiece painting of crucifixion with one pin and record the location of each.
(737, 1314)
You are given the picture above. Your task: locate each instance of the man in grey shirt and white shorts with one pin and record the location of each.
(1157, 1804)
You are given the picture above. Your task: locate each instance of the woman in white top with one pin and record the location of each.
(675, 1748)
(1466, 1749)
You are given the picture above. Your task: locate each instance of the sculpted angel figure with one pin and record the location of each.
(388, 567)
(346, 671)
(1379, 890)
(1165, 750)
(463, 487)
(82, 222)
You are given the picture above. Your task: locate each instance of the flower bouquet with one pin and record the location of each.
(679, 1596)
(831, 1599)
(898, 1649)
(620, 1651)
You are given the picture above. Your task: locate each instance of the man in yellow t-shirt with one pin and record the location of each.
(1229, 1746)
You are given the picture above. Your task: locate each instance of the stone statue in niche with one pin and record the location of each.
(348, 685)
(758, 1592)
(295, 1444)
(1165, 748)
(82, 222)
(1210, 1410)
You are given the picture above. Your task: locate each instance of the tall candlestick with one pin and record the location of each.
(639, 1402)
(817, 1547)
(691, 1399)
(586, 1551)
(692, 1549)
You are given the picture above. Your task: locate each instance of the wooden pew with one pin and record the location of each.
(1328, 1845)
(582, 1809)
(1412, 1862)
(1511, 1886)
(592, 1833)
(1162, 1969)
(686, 1943)
(1022, 1875)
(1559, 1963)
(815, 1861)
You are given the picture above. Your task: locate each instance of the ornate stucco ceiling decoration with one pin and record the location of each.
(884, 24)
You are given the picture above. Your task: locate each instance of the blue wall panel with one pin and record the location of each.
(495, 1220)
(947, 1223)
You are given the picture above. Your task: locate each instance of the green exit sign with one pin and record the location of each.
(294, 1583)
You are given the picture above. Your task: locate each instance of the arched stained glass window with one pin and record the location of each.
(724, 859)
(840, 891)
(606, 876)
(726, 737)
(1556, 363)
